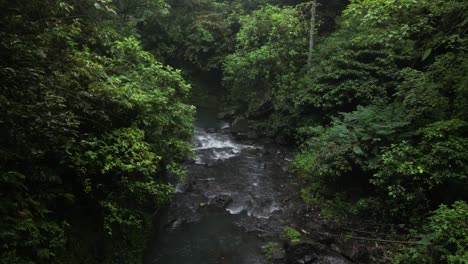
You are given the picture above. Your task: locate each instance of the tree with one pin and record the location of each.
(261, 74)
(311, 31)
(193, 35)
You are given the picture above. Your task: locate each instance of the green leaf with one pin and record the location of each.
(357, 150)
(98, 6)
(426, 54)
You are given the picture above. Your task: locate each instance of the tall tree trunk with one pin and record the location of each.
(311, 32)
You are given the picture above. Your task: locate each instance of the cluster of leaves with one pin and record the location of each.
(417, 176)
(345, 150)
(444, 238)
(271, 248)
(291, 234)
(89, 126)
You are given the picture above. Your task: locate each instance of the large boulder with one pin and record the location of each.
(355, 250)
(240, 125)
(220, 201)
(252, 135)
(308, 252)
(302, 253)
(281, 140)
(226, 114)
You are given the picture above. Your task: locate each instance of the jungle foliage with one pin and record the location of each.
(90, 127)
(93, 121)
(380, 115)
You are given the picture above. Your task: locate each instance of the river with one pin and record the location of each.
(231, 203)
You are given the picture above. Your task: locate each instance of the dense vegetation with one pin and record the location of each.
(93, 122)
(90, 127)
(380, 113)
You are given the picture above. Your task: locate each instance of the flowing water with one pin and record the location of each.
(231, 203)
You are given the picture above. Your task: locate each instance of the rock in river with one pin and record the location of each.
(308, 252)
(240, 125)
(226, 114)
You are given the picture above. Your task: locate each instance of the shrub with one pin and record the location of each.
(444, 238)
(291, 234)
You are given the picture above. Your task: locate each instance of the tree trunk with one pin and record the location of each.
(311, 32)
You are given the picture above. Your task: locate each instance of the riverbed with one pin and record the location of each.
(234, 199)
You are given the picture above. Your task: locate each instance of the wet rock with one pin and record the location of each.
(277, 255)
(252, 135)
(234, 151)
(225, 129)
(174, 223)
(267, 140)
(324, 238)
(250, 149)
(182, 187)
(191, 186)
(311, 253)
(355, 251)
(279, 154)
(360, 253)
(280, 139)
(264, 151)
(335, 248)
(332, 259)
(209, 164)
(211, 130)
(226, 114)
(240, 136)
(221, 201)
(240, 125)
(302, 253)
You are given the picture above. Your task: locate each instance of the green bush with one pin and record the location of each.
(433, 170)
(291, 234)
(332, 154)
(444, 238)
(270, 249)
(90, 125)
(270, 53)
